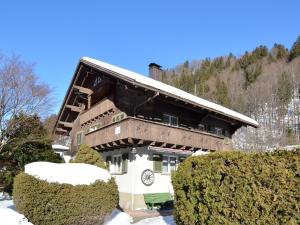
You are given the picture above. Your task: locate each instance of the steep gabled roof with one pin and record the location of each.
(158, 86)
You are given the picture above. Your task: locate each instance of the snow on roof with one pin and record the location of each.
(67, 173)
(167, 89)
(60, 147)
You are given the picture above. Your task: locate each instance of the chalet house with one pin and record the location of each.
(142, 127)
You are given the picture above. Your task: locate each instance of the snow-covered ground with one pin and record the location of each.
(121, 218)
(9, 215)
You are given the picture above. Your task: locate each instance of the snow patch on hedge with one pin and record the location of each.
(67, 173)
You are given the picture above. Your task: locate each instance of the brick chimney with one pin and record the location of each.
(155, 71)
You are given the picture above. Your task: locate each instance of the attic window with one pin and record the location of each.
(97, 81)
(218, 131)
(170, 120)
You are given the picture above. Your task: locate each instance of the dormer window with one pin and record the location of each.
(218, 131)
(170, 120)
(97, 81)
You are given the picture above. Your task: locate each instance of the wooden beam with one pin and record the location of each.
(61, 130)
(130, 140)
(66, 124)
(173, 146)
(183, 147)
(140, 142)
(107, 145)
(74, 108)
(163, 145)
(122, 142)
(83, 90)
(114, 143)
(152, 143)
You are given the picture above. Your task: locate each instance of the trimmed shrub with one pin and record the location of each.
(64, 204)
(88, 155)
(238, 188)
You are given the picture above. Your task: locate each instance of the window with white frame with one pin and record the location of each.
(169, 164)
(218, 131)
(116, 164)
(94, 127)
(170, 120)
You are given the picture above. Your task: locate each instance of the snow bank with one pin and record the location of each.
(160, 220)
(119, 218)
(60, 147)
(67, 173)
(67, 158)
(11, 217)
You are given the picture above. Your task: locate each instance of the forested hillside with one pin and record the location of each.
(263, 84)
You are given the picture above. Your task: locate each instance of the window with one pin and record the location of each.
(170, 120)
(79, 138)
(97, 81)
(169, 164)
(116, 164)
(165, 167)
(94, 127)
(226, 133)
(201, 127)
(218, 131)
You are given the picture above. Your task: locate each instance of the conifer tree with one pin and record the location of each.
(295, 50)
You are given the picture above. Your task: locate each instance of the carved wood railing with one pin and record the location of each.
(97, 110)
(138, 131)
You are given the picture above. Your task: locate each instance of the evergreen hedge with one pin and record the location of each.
(238, 188)
(88, 155)
(64, 204)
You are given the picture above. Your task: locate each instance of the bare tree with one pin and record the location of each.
(20, 91)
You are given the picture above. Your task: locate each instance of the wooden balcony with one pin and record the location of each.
(134, 131)
(97, 110)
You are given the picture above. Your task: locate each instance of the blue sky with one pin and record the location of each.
(131, 34)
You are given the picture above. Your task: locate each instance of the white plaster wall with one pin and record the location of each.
(162, 182)
(130, 182)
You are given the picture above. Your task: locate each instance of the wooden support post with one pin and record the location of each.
(89, 101)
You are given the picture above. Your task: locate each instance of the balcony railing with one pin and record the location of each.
(98, 109)
(141, 130)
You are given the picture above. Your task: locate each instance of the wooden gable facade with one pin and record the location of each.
(106, 109)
